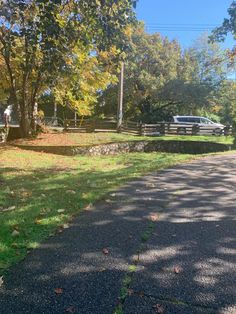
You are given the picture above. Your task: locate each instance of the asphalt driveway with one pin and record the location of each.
(185, 263)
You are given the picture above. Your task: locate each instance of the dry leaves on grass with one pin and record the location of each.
(7, 209)
(70, 192)
(15, 233)
(25, 194)
(37, 221)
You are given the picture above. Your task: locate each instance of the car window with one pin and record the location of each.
(182, 119)
(194, 120)
(206, 121)
(188, 119)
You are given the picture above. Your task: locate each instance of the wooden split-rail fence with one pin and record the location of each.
(143, 129)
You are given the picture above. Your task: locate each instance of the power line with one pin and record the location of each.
(180, 24)
(180, 27)
(185, 28)
(178, 30)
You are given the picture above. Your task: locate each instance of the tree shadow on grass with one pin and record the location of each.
(195, 232)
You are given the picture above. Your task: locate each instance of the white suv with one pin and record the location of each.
(206, 125)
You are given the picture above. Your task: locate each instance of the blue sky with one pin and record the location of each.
(168, 17)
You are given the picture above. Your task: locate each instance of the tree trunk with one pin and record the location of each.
(24, 120)
(33, 116)
(25, 126)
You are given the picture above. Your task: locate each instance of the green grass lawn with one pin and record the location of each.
(84, 139)
(41, 193)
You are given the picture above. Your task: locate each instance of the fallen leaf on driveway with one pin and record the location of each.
(141, 294)
(151, 185)
(108, 201)
(58, 290)
(90, 206)
(105, 251)
(178, 270)
(71, 309)
(154, 217)
(159, 308)
(130, 292)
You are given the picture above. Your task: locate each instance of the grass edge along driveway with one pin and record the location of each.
(41, 193)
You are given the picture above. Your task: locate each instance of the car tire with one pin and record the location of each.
(217, 132)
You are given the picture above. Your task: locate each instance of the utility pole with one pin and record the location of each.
(75, 119)
(55, 111)
(120, 98)
(55, 114)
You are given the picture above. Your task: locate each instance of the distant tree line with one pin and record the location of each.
(162, 79)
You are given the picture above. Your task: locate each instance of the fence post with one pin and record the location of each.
(75, 119)
(195, 129)
(90, 127)
(66, 124)
(168, 128)
(141, 129)
(162, 129)
(227, 130)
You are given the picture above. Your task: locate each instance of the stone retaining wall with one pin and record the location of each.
(185, 147)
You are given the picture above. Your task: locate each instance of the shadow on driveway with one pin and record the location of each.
(194, 236)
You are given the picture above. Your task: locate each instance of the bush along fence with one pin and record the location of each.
(142, 129)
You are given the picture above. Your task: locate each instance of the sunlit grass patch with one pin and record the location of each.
(40, 193)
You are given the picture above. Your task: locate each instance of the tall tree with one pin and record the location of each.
(37, 39)
(219, 34)
(162, 79)
(228, 26)
(211, 61)
(83, 79)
